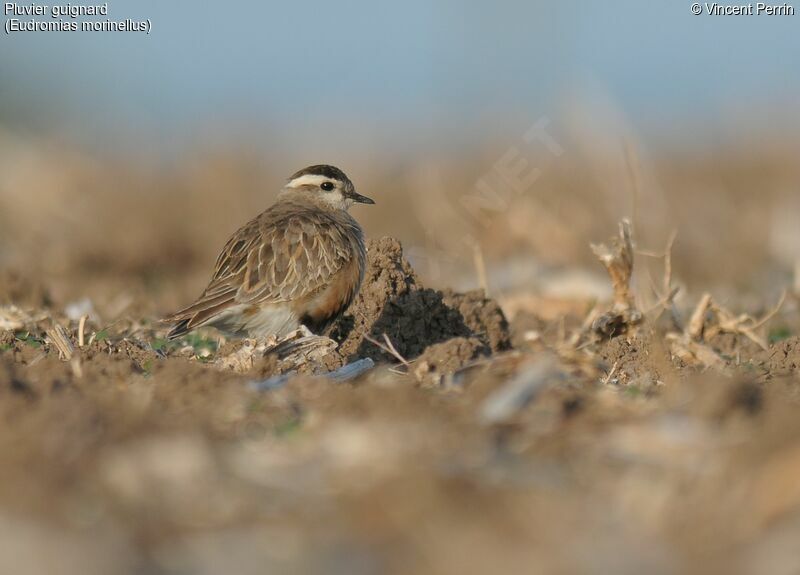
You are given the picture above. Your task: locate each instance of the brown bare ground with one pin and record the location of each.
(496, 437)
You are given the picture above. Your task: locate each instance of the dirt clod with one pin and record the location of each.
(394, 301)
(483, 316)
(441, 359)
(633, 360)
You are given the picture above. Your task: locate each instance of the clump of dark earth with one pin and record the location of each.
(394, 302)
(482, 316)
(440, 359)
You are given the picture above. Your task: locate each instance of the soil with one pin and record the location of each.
(393, 302)
(779, 361)
(640, 360)
(141, 456)
(442, 359)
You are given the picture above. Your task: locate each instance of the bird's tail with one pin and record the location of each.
(179, 330)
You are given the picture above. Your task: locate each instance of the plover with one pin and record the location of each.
(300, 262)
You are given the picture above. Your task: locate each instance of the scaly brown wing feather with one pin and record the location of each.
(287, 253)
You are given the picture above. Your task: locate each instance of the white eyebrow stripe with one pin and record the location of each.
(307, 180)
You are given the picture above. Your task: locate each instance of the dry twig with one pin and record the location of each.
(772, 313)
(709, 319)
(59, 337)
(81, 328)
(693, 352)
(744, 324)
(389, 348)
(618, 261)
(698, 320)
(480, 268)
(611, 373)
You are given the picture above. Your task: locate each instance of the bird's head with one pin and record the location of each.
(328, 184)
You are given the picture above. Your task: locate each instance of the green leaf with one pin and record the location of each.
(28, 339)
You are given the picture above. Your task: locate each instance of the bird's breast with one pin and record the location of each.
(317, 310)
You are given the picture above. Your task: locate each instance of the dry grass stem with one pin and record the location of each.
(694, 353)
(618, 261)
(81, 328)
(59, 337)
(389, 348)
(480, 268)
(698, 319)
(772, 313)
(611, 373)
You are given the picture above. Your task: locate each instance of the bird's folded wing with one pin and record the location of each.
(272, 264)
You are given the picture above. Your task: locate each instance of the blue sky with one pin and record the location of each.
(402, 71)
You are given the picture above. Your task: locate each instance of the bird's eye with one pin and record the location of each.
(327, 186)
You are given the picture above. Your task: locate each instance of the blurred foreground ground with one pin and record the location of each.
(526, 446)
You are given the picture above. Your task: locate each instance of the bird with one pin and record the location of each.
(299, 263)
